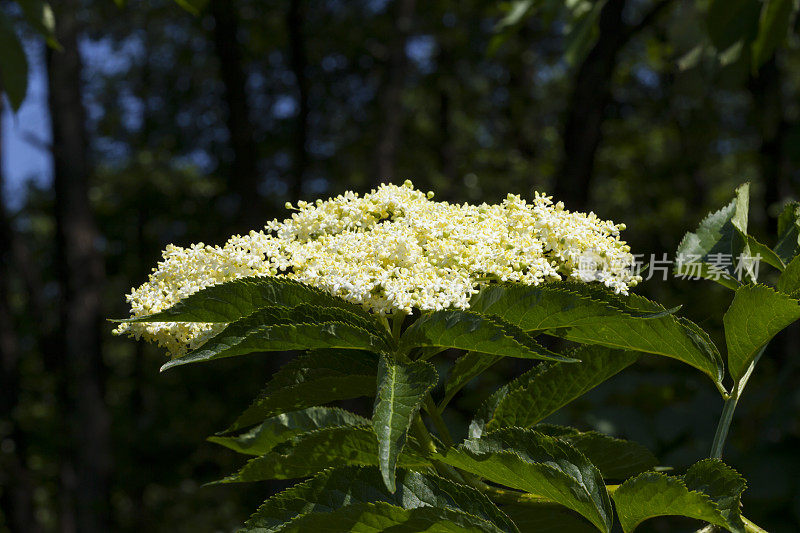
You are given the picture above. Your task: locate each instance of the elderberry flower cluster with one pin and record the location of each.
(392, 250)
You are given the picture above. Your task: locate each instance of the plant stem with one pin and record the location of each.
(385, 323)
(724, 424)
(725, 419)
(436, 417)
(422, 434)
(397, 326)
(750, 527)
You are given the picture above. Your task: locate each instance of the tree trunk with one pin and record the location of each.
(295, 20)
(243, 171)
(16, 501)
(591, 95)
(86, 470)
(765, 89)
(392, 93)
(590, 98)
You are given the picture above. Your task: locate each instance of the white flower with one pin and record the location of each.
(391, 251)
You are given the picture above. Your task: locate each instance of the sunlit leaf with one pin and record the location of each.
(316, 450)
(535, 463)
(280, 329)
(546, 388)
(468, 330)
(401, 389)
(336, 488)
(286, 426)
(756, 314)
(710, 491)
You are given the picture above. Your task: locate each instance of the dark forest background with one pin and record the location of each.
(193, 127)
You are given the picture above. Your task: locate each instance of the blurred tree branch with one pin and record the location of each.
(589, 100)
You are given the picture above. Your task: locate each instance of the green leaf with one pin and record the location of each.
(789, 217)
(401, 389)
(713, 249)
(40, 16)
(560, 305)
(324, 448)
(486, 411)
(382, 516)
(232, 300)
(466, 367)
(756, 314)
(279, 329)
(788, 232)
(591, 315)
(615, 458)
(544, 518)
(337, 488)
(582, 32)
(13, 64)
(730, 21)
(545, 389)
(195, 7)
(468, 330)
(789, 280)
(316, 378)
(516, 12)
(764, 253)
(710, 491)
(722, 484)
(286, 426)
(773, 25)
(535, 463)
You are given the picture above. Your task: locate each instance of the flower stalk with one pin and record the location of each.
(725, 419)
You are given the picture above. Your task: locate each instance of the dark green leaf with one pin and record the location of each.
(722, 484)
(545, 389)
(279, 329)
(756, 314)
(535, 463)
(582, 31)
(468, 330)
(773, 25)
(466, 367)
(486, 411)
(195, 7)
(334, 489)
(317, 450)
(710, 491)
(591, 315)
(230, 301)
(544, 518)
(382, 516)
(401, 389)
(13, 64)
(764, 253)
(788, 232)
(316, 378)
(789, 281)
(286, 426)
(730, 21)
(40, 16)
(615, 458)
